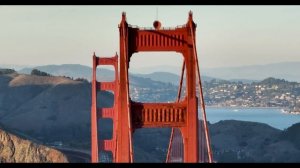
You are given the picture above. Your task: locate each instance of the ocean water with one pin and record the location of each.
(271, 116)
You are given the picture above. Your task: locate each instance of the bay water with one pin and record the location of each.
(271, 116)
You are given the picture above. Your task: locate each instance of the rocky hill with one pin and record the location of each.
(46, 107)
(16, 150)
(232, 142)
(240, 141)
(54, 109)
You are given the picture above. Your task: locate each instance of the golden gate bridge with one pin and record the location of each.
(189, 140)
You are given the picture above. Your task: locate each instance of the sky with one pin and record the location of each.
(227, 36)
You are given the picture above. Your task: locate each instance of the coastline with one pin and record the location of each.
(243, 107)
(282, 109)
(285, 111)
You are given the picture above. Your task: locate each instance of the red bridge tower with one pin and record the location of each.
(128, 115)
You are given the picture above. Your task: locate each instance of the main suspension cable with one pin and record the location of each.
(209, 151)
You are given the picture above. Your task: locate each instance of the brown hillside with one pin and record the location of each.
(22, 79)
(16, 150)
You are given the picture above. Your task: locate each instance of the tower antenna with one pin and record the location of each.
(156, 13)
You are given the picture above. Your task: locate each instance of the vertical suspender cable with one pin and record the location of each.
(116, 106)
(178, 98)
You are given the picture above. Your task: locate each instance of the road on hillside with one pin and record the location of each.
(75, 156)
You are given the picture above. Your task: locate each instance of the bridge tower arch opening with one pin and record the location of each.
(153, 77)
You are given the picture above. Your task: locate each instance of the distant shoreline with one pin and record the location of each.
(282, 109)
(242, 107)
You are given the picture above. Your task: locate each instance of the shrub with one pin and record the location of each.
(82, 79)
(39, 73)
(6, 71)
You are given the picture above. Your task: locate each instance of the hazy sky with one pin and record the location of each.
(226, 35)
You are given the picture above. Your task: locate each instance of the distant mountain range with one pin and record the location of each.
(287, 70)
(247, 74)
(15, 67)
(72, 70)
(160, 68)
(82, 71)
(284, 70)
(168, 77)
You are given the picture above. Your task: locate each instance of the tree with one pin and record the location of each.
(82, 80)
(39, 73)
(6, 71)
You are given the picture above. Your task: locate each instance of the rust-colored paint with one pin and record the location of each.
(128, 115)
(96, 113)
